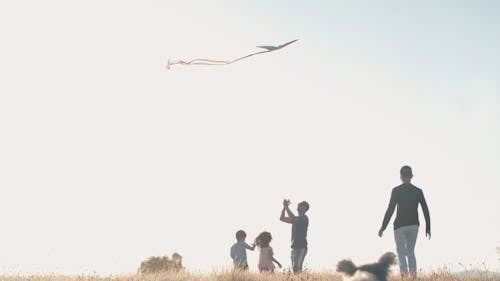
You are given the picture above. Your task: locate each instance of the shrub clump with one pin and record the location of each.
(161, 264)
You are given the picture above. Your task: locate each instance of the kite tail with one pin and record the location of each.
(172, 62)
(197, 62)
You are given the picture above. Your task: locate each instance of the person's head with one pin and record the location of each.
(406, 174)
(302, 207)
(263, 239)
(240, 235)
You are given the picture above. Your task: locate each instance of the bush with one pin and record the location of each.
(161, 264)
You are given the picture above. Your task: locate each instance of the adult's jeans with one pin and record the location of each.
(406, 238)
(298, 255)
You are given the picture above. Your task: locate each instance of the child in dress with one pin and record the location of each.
(266, 259)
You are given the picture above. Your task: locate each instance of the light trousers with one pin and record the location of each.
(406, 238)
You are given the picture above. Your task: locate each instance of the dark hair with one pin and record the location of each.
(240, 234)
(263, 239)
(305, 204)
(406, 172)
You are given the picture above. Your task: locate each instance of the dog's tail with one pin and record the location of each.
(347, 267)
(388, 258)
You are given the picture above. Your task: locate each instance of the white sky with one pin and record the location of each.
(106, 158)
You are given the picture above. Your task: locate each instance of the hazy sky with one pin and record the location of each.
(107, 158)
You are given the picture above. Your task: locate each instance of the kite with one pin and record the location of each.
(224, 62)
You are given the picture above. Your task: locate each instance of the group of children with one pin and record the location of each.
(266, 255)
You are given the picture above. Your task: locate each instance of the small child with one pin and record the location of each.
(239, 252)
(266, 258)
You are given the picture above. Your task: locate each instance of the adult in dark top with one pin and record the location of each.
(299, 232)
(406, 197)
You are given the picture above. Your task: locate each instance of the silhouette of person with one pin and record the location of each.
(239, 251)
(266, 253)
(300, 224)
(406, 197)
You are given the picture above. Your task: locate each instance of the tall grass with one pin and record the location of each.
(230, 276)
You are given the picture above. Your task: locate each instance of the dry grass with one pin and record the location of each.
(228, 276)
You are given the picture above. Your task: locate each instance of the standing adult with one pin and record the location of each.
(406, 197)
(300, 224)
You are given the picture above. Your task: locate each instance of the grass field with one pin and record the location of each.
(228, 276)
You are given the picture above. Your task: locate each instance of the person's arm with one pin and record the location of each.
(289, 212)
(427, 216)
(291, 217)
(275, 260)
(232, 253)
(251, 248)
(388, 213)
